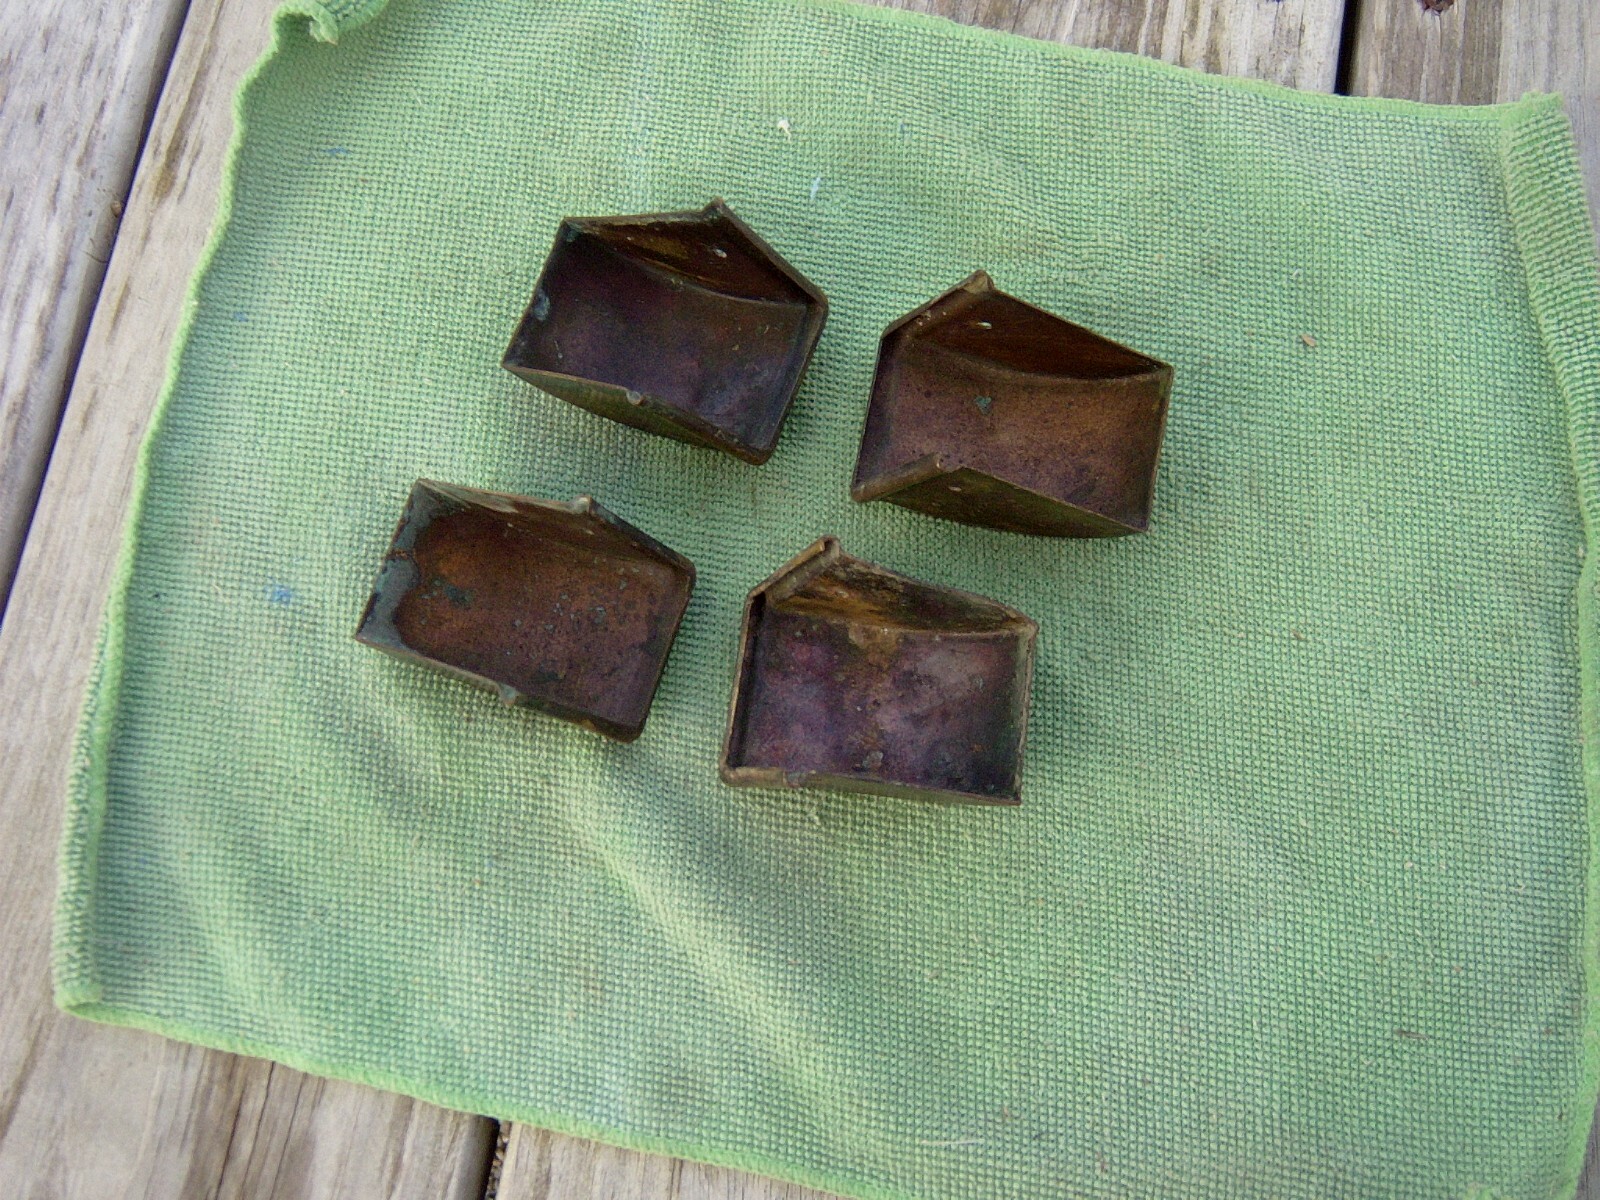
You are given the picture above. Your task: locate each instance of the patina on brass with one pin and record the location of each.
(853, 677)
(989, 411)
(560, 607)
(683, 324)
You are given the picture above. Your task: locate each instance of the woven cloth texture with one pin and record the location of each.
(1298, 899)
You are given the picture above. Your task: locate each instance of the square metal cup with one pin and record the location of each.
(683, 324)
(989, 411)
(561, 607)
(856, 678)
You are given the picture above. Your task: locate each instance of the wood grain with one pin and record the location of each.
(77, 83)
(89, 1111)
(1478, 53)
(540, 1165)
(1294, 42)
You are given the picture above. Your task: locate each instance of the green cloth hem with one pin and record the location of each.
(329, 20)
(75, 977)
(1544, 192)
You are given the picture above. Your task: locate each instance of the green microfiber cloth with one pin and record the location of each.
(1300, 901)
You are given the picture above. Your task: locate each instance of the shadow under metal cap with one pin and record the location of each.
(683, 324)
(559, 607)
(989, 411)
(853, 677)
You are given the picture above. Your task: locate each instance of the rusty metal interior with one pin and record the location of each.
(989, 411)
(855, 677)
(559, 607)
(682, 324)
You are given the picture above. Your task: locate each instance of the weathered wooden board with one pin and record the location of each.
(1294, 42)
(540, 1165)
(77, 82)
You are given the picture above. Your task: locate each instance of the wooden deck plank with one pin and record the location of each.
(77, 82)
(1293, 42)
(1296, 43)
(88, 1111)
(1476, 53)
(540, 1165)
